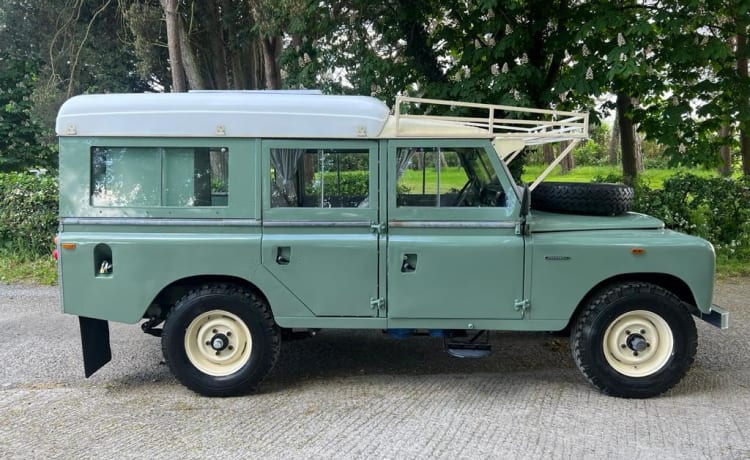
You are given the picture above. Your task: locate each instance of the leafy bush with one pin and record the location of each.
(348, 183)
(713, 208)
(590, 154)
(28, 213)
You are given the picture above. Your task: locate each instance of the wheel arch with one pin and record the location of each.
(669, 282)
(172, 292)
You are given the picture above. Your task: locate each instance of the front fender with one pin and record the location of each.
(565, 266)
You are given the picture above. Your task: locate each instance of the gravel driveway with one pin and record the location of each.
(360, 395)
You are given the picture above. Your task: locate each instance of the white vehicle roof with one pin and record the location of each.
(287, 114)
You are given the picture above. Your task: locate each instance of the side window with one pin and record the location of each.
(159, 176)
(446, 177)
(320, 178)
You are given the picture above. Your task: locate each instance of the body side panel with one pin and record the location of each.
(567, 265)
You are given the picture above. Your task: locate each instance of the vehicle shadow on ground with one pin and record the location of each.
(335, 354)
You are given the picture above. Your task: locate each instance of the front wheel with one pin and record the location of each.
(220, 340)
(634, 340)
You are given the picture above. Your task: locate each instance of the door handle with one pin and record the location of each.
(283, 255)
(409, 264)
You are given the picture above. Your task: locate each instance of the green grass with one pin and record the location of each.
(450, 178)
(27, 269)
(730, 268)
(653, 178)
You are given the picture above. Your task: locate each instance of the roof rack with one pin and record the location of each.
(511, 128)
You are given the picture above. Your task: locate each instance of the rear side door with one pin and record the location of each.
(453, 248)
(320, 202)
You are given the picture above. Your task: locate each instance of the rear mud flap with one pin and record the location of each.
(95, 344)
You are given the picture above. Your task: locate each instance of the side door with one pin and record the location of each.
(453, 249)
(320, 200)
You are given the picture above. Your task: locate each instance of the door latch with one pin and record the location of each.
(378, 227)
(522, 305)
(377, 303)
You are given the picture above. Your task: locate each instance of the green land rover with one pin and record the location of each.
(226, 221)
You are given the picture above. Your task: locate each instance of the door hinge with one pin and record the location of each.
(377, 303)
(378, 228)
(522, 305)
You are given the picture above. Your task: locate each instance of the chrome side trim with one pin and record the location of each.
(305, 223)
(717, 317)
(449, 224)
(160, 221)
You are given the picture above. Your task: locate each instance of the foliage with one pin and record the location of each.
(715, 209)
(675, 61)
(348, 183)
(712, 208)
(20, 145)
(28, 213)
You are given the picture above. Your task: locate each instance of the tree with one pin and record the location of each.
(20, 148)
(219, 44)
(75, 47)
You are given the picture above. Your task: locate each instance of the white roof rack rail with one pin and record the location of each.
(511, 128)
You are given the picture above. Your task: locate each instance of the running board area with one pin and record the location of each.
(477, 346)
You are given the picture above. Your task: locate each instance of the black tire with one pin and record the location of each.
(613, 337)
(221, 340)
(583, 198)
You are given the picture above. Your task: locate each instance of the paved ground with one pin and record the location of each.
(360, 395)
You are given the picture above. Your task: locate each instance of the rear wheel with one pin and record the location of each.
(220, 340)
(634, 340)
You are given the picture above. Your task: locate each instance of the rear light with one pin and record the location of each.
(55, 255)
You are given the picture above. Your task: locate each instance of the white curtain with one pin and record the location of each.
(285, 162)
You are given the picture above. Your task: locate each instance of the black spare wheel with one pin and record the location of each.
(599, 199)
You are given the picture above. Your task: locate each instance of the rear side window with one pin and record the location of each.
(159, 176)
(320, 178)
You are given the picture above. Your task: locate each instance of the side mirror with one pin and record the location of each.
(525, 201)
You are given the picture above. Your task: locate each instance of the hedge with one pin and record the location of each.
(28, 213)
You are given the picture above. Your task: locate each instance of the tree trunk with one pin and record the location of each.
(549, 154)
(568, 162)
(614, 140)
(627, 140)
(173, 41)
(190, 64)
(254, 66)
(726, 155)
(742, 72)
(638, 150)
(271, 51)
(217, 46)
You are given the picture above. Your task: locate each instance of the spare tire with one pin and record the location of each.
(597, 199)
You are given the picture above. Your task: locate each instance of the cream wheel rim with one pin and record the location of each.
(218, 343)
(638, 343)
